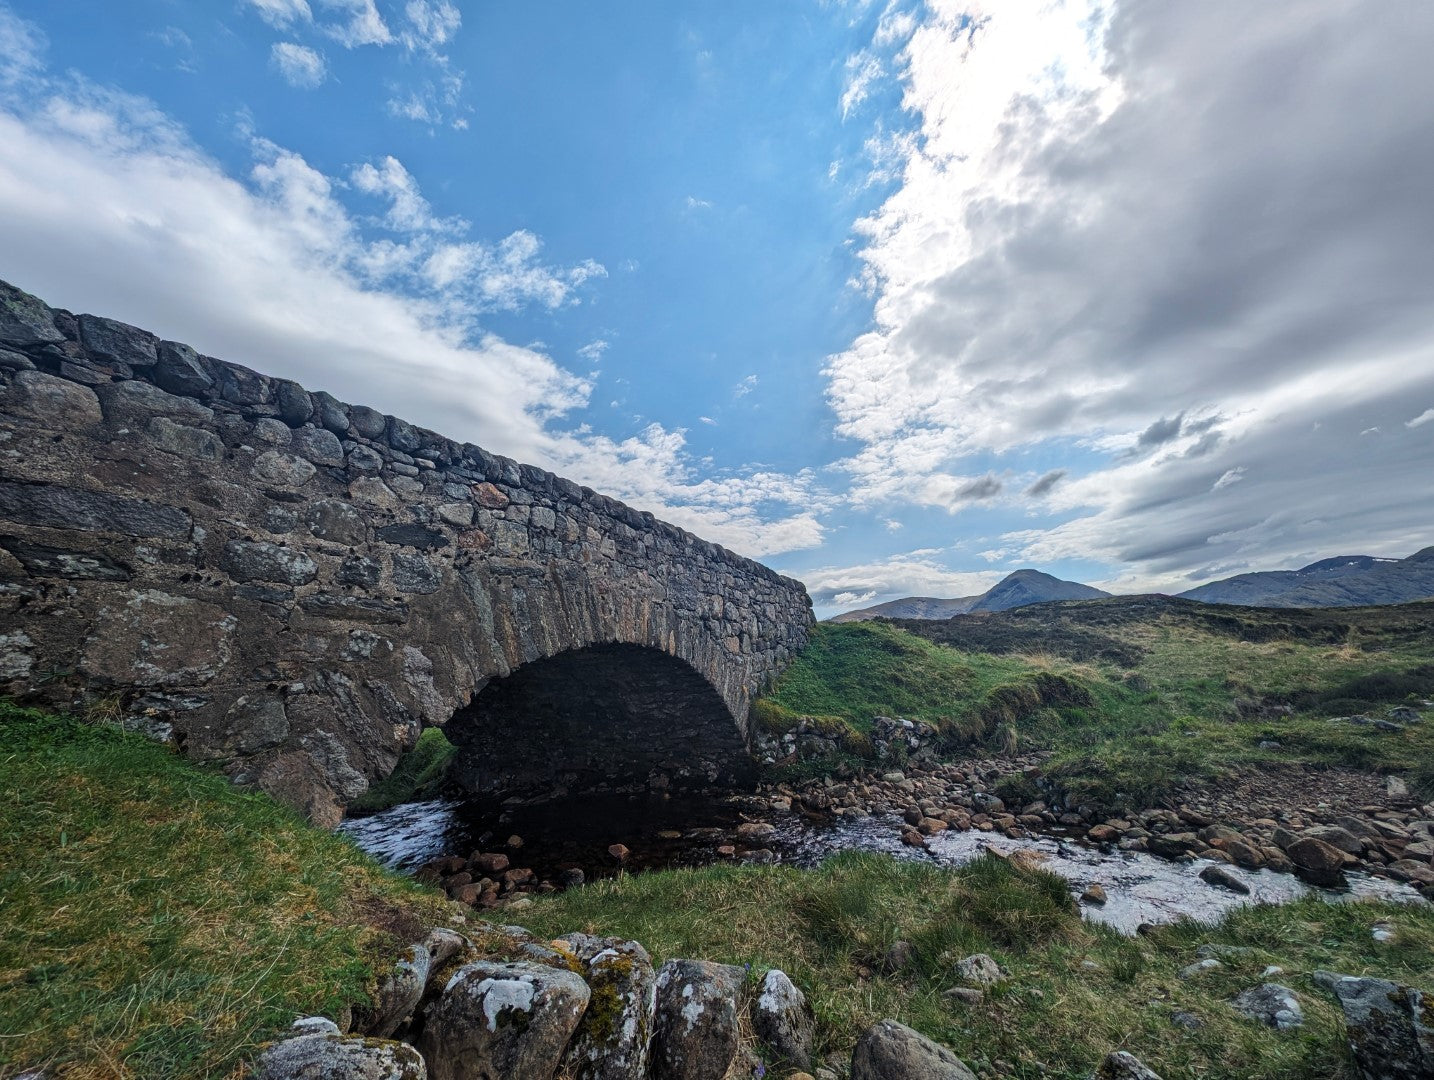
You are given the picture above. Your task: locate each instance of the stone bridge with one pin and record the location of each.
(294, 587)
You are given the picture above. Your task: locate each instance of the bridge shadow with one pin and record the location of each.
(611, 717)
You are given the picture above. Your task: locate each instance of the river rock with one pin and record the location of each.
(1271, 1004)
(508, 1020)
(1317, 862)
(1222, 878)
(331, 1056)
(397, 996)
(784, 1021)
(1337, 837)
(615, 1035)
(892, 1051)
(1122, 1065)
(1390, 1031)
(695, 1035)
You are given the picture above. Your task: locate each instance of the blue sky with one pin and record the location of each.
(897, 297)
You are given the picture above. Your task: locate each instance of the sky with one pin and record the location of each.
(897, 297)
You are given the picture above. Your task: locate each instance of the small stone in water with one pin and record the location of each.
(1094, 895)
(619, 851)
(515, 841)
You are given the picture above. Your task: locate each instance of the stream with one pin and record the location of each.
(669, 832)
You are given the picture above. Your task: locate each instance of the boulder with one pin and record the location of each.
(1317, 862)
(1390, 1031)
(695, 1034)
(327, 1055)
(614, 1038)
(1271, 1004)
(508, 1020)
(892, 1051)
(1338, 837)
(784, 1021)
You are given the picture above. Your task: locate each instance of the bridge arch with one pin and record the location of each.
(608, 716)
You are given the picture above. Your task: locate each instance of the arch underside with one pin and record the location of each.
(603, 717)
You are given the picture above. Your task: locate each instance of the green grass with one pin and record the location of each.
(156, 922)
(1055, 1017)
(418, 774)
(1131, 695)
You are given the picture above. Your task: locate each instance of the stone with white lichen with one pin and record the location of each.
(508, 1020)
(695, 1035)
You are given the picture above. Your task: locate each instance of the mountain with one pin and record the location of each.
(1344, 581)
(1015, 590)
(911, 607)
(1032, 587)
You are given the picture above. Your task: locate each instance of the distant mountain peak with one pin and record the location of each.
(1017, 589)
(1342, 581)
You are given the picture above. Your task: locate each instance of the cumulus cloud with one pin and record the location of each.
(282, 14)
(1423, 418)
(359, 23)
(107, 206)
(1121, 226)
(300, 65)
(431, 25)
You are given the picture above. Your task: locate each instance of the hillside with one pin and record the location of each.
(1014, 590)
(1343, 581)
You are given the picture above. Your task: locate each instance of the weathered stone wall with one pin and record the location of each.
(295, 586)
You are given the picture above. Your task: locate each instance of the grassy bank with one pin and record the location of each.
(1075, 992)
(155, 922)
(1151, 691)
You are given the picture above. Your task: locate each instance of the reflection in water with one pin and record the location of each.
(687, 832)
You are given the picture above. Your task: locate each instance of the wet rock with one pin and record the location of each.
(695, 1035)
(331, 1056)
(1222, 878)
(892, 1051)
(978, 970)
(614, 1038)
(755, 830)
(1389, 1026)
(489, 862)
(1121, 1065)
(783, 1019)
(1094, 894)
(508, 1020)
(1316, 861)
(1271, 1004)
(618, 851)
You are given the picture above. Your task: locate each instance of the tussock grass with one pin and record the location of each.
(155, 922)
(1055, 1016)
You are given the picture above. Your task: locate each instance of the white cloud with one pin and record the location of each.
(708, 420)
(363, 24)
(1423, 418)
(694, 203)
(431, 25)
(745, 387)
(300, 65)
(1095, 243)
(408, 209)
(863, 71)
(593, 351)
(22, 49)
(281, 14)
(914, 573)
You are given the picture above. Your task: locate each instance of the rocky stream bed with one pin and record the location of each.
(1268, 837)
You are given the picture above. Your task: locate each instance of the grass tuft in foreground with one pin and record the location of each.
(155, 922)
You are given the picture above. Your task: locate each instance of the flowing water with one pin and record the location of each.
(663, 832)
